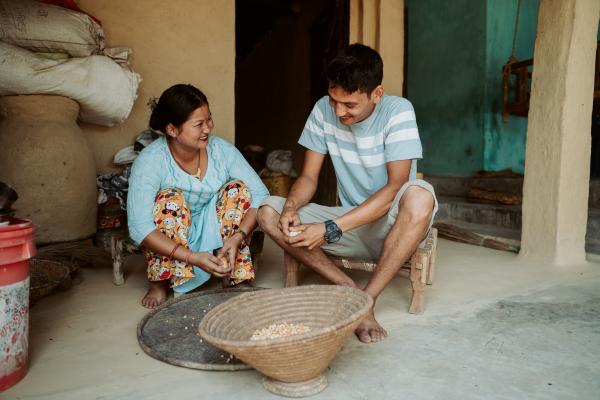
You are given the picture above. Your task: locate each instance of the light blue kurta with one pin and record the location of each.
(155, 169)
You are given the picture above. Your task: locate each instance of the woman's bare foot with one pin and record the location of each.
(156, 295)
(369, 330)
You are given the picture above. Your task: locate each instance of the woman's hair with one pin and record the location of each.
(175, 106)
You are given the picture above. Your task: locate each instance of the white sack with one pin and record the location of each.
(280, 161)
(104, 89)
(49, 29)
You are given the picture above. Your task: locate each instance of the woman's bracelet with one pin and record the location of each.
(172, 253)
(244, 234)
(187, 257)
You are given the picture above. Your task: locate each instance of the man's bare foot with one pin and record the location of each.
(369, 330)
(156, 295)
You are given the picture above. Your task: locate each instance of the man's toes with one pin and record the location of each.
(377, 335)
(363, 335)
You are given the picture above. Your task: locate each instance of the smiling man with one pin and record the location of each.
(373, 142)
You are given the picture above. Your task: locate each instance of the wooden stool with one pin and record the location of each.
(120, 246)
(420, 269)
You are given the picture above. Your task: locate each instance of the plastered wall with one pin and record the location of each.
(177, 41)
(555, 192)
(380, 25)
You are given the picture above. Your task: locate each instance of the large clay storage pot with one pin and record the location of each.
(47, 159)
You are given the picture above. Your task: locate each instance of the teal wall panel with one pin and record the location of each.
(445, 82)
(455, 53)
(504, 146)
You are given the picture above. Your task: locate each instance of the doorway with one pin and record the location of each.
(282, 47)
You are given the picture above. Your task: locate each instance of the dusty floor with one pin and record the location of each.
(496, 327)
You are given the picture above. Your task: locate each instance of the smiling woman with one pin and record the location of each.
(192, 200)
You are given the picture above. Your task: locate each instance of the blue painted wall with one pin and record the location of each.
(504, 143)
(445, 82)
(455, 53)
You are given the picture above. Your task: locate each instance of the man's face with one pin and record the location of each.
(352, 108)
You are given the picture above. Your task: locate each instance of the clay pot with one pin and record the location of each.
(47, 159)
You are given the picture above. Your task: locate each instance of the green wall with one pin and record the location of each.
(504, 146)
(455, 53)
(445, 74)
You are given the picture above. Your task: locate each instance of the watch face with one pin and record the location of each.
(334, 236)
(332, 232)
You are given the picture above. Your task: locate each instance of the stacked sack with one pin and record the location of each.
(46, 49)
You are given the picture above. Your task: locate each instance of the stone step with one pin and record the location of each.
(499, 215)
(500, 238)
(502, 221)
(459, 186)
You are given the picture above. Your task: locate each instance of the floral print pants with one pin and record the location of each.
(172, 218)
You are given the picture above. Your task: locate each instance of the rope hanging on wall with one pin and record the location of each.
(520, 105)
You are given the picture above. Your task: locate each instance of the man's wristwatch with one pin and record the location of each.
(333, 233)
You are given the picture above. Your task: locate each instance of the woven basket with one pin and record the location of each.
(277, 184)
(331, 312)
(46, 276)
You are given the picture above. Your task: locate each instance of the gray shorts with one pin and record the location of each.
(364, 242)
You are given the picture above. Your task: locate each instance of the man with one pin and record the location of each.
(374, 143)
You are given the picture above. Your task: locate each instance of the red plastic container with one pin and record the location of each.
(17, 246)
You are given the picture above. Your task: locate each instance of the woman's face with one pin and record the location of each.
(194, 132)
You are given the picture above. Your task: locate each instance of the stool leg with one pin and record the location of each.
(291, 270)
(417, 304)
(431, 269)
(116, 249)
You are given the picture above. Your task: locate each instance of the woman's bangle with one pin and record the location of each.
(244, 234)
(187, 257)
(172, 253)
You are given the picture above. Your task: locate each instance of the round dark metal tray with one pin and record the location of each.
(170, 332)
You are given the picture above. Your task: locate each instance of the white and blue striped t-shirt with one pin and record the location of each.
(360, 152)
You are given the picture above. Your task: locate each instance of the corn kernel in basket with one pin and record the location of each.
(275, 331)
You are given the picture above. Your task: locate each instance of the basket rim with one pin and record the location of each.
(248, 344)
(52, 282)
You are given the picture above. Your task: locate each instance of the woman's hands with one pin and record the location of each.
(210, 264)
(219, 265)
(230, 248)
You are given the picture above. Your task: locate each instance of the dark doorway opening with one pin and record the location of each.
(282, 47)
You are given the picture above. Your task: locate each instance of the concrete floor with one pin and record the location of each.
(496, 327)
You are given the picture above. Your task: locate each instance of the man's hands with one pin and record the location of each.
(299, 235)
(289, 217)
(210, 264)
(309, 235)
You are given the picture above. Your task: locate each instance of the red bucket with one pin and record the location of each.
(17, 246)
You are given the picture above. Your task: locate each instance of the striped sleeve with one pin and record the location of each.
(402, 140)
(313, 134)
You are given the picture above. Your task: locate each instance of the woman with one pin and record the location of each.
(191, 193)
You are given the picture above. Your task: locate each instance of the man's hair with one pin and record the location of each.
(357, 67)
